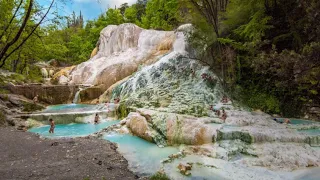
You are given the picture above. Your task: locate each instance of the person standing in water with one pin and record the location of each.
(96, 119)
(52, 126)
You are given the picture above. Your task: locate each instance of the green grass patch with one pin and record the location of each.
(29, 107)
(4, 91)
(159, 176)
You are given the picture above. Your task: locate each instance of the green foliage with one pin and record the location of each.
(122, 111)
(4, 91)
(34, 74)
(17, 78)
(159, 176)
(269, 53)
(30, 107)
(161, 14)
(130, 14)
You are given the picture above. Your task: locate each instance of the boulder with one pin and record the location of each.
(139, 126)
(179, 129)
(63, 80)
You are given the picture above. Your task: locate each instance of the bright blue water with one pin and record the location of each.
(72, 130)
(299, 121)
(69, 108)
(311, 132)
(144, 157)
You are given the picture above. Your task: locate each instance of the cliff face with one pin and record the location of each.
(122, 49)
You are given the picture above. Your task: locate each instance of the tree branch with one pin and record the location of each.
(25, 39)
(14, 15)
(15, 39)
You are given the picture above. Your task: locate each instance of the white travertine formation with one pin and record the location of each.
(122, 49)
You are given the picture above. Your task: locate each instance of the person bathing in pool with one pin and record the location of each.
(287, 121)
(52, 126)
(96, 119)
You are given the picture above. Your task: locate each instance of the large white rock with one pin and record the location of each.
(122, 49)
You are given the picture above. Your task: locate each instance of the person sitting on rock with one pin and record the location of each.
(35, 99)
(96, 119)
(52, 126)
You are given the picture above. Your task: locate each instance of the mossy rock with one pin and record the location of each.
(33, 123)
(243, 136)
(123, 110)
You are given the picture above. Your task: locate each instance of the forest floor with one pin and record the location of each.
(24, 155)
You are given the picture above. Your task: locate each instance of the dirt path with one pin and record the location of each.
(24, 155)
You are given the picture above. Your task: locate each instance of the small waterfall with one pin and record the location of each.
(76, 98)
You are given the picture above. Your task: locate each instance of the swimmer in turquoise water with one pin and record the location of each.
(52, 125)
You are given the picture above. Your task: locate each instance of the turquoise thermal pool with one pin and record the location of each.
(311, 132)
(299, 121)
(70, 108)
(144, 157)
(72, 130)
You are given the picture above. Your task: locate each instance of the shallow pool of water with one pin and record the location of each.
(144, 157)
(311, 132)
(72, 130)
(299, 121)
(69, 108)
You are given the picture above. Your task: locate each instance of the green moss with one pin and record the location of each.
(33, 123)
(4, 91)
(159, 176)
(29, 107)
(18, 78)
(122, 111)
(35, 74)
(243, 136)
(258, 100)
(5, 97)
